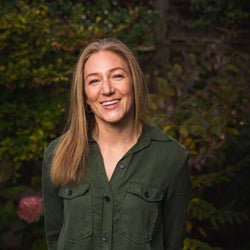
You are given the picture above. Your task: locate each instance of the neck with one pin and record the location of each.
(112, 134)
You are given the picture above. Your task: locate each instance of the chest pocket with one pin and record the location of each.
(139, 212)
(77, 222)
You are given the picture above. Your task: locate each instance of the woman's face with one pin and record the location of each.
(108, 88)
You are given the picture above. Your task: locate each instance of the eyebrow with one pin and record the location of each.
(110, 70)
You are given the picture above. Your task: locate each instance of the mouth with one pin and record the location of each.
(108, 103)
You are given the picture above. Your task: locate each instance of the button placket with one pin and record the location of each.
(107, 220)
(105, 237)
(106, 198)
(122, 165)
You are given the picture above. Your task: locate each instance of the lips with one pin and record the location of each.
(108, 103)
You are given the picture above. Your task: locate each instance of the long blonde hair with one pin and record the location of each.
(69, 161)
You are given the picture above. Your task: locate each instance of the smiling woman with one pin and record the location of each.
(112, 181)
(109, 92)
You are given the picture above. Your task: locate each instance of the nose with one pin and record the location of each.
(107, 88)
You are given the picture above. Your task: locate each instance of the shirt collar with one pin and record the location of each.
(148, 133)
(154, 134)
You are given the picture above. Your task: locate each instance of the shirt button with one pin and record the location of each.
(70, 192)
(122, 166)
(146, 194)
(106, 198)
(105, 237)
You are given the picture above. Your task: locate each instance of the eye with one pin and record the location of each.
(93, 81)
(118, 76)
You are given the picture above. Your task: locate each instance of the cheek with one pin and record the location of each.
(130, 92)
(128, 89)
(90, 94)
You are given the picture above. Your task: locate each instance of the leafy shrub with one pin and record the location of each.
(40, 42)
(203, 100)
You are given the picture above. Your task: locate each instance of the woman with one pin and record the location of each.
(112, 181)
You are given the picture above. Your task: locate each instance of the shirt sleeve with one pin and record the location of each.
(52, 204)
(174, 208)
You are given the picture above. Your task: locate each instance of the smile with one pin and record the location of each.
(107, 103)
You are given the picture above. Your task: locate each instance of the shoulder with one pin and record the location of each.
(51, 147)
(164, 156)
(160, 138)
(48, 156)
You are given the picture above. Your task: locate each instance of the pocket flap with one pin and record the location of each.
(72, 192)
(146, 191)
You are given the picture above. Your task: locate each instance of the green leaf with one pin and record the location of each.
(10, 193)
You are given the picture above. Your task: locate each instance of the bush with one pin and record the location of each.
(40, 43)
(203, 101)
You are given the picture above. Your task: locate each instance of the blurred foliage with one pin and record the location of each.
(218, 11)
(202, 100)
(215, 13)
(204, 97)
(40, 41)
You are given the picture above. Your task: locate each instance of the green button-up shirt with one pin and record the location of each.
(142, 207)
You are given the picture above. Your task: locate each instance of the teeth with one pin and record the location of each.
(110, 102)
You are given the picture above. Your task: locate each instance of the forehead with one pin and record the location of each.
(104, 60)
